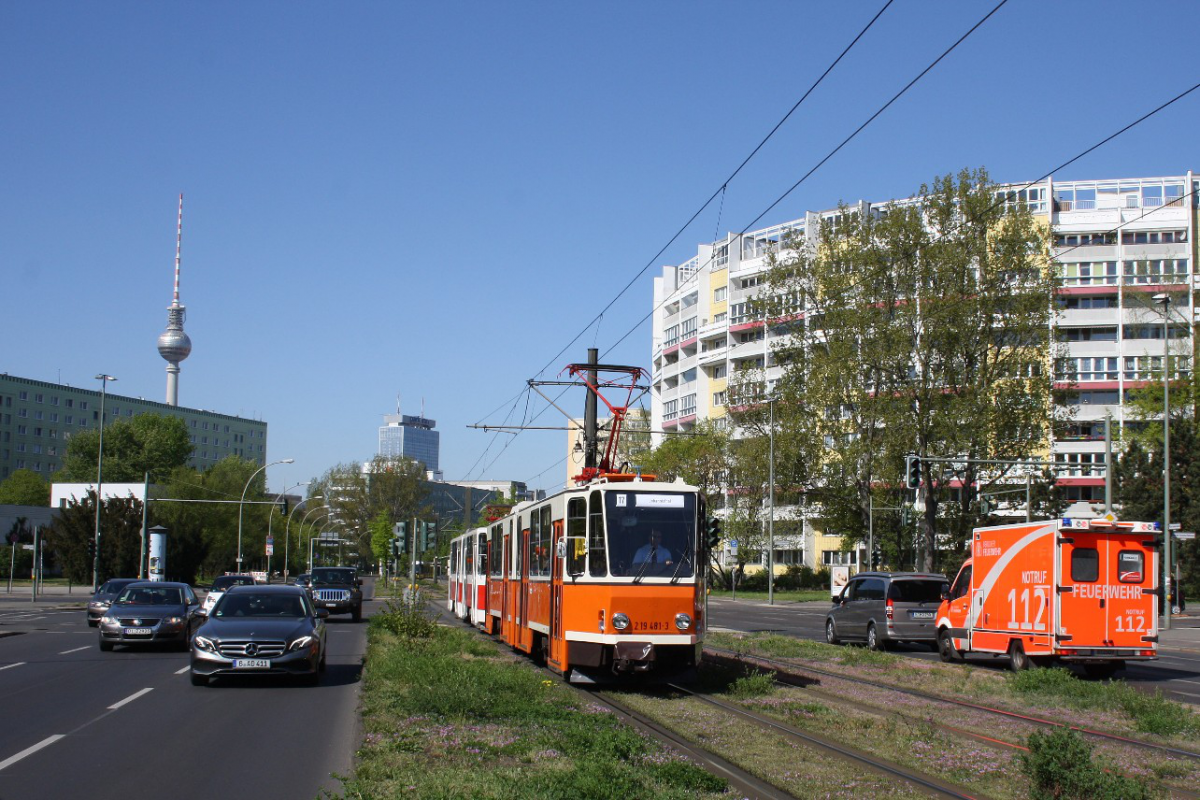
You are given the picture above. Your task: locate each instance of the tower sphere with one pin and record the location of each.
(174, 345)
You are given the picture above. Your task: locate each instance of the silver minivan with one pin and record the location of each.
(883, 608)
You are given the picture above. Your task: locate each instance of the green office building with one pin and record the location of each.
(38, 417)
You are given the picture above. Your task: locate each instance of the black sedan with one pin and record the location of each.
(261, 630)
(150, 612)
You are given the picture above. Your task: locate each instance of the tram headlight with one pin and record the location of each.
(683, 621)
(620, 621)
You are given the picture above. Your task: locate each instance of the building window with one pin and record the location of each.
(22, 395)
(720, 293)
(54, 417)
(1088, 273)
(720, 398)
(1161, 270)
(53, 401)
(1086, 369)
(22, 412)
(83, 405)
(37, 398)
(839, 557)
(38, 414)
(21, 430)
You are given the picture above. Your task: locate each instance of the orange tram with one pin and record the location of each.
(601, 582)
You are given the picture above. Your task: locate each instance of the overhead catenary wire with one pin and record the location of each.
(1066, 163)
(719, 191)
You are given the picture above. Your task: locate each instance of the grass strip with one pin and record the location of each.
(447, 714)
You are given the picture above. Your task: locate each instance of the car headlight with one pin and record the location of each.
(620, 621)
(205, 644)
(174, 620)
(107, 620)
(301, 643)
(683, 621)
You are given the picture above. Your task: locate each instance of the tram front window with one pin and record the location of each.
(651, 535)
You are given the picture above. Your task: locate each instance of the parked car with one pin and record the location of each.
(220, 585)
(103, 598)
(883, 608)
(150, 612)
(338, 589)
(261, 630)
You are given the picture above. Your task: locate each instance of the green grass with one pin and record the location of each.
(1151, 713)
(449, 715)
(790, 596)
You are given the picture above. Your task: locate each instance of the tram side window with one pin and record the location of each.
(597, 557)
(481, 567)
(544, 543)
(495, 549)
(518, 546)
(576, 535)
(539, 538)
(454, 560)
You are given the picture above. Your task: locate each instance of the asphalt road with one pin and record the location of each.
(128, 723)
(1176, 672)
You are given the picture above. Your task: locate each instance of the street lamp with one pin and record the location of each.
(243, 500)
(312, 539)
(104, 379)
(1165, 301)
(270, 520)
(287, 536)
(771, 512)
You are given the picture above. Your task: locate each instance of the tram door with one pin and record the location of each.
(558, 649)
(512, 584)
(524, 634)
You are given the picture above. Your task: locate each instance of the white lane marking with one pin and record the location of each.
(10, 666)
(181, 671)
(1187, 694)
(130, 699)
(76, 650)
(28, 751)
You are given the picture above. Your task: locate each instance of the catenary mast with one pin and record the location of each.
(173, 344)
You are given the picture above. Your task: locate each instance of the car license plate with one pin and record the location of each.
(921, 614)
(138, 631)
(251, 663)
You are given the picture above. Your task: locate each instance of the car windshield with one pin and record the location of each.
(225, 581)
(112, 587)
(151, 596)
(917, 591)
(341, 576)
(651, 534)
(251, 604)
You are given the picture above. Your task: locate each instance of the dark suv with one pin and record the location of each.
(337, 589)
(882, 608)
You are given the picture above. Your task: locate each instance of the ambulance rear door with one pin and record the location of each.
(1107, 576)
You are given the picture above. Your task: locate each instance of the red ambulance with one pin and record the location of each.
(1081, 590)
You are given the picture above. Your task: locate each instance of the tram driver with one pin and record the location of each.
(652, 553)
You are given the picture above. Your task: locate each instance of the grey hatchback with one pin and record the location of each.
(883, 608)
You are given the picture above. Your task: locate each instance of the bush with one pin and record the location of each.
(1060, 767)
(402, 619)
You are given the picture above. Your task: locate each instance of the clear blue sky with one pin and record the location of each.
(433, 199)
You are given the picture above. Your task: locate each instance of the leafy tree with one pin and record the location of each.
(354, 496)
(925, 330)
(382, 533)
(148, 443)
(25, 488)
(120, 538)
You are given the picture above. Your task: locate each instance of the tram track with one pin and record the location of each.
(936, 787)
(797, 672)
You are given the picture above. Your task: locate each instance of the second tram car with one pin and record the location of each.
(600, 582)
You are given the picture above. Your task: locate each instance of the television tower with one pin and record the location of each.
(173, 344)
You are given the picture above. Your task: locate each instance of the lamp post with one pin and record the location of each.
(243, 500)
(287, 536)
(1165, 301)
(270, 520)
(104, 379)
(771, 511)
(312, 539)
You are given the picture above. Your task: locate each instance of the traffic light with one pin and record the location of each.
(712, 533)
(912, 471)
(905, 513)
(91, 550)
(397, 548)
(401, 531)
(429, 539)
(984, 506)
(283, 506)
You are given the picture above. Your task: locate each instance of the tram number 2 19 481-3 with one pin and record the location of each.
(651, 626)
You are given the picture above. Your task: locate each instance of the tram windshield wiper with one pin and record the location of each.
(687, 557)
(645, 564)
